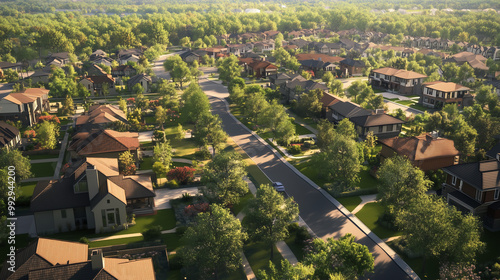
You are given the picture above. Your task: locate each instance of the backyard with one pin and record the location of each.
(43, 169)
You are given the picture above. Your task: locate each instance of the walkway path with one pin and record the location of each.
(325, 215)
(408, 110)
(299, 121)
(45, 160)
(364, 200)
(61, 156)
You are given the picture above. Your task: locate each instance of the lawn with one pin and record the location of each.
(43, 169)
(392, 99)
(258, 255)
(306, 168)
(297, 250)
(350, 202)
(242, 204)
(369, 215)
(147, 145)
(146, 163)
(116, 242)
(27, 189)
(432, 267)
(184, 147)
(150, 120)
(419, 107)
(179, 164)
(406, 102)
(367, 181)
(43, 156)
(300, 130)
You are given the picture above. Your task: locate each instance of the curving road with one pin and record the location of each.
(321, 215)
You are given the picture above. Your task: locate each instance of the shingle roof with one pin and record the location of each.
(104, 141)
(353, 63)
(7, 133)
(137, 78)
(306, 85)
(349, 109)
(102, 114)
(421, 147)
(481, 175)
(445, 86)
(375, 120)
(106, 186)
(258, 64)
(465, 199)
(21, 98)
(319, 56)
(403, 74)
(101, 79)
(311, 63)
(5, 64)
(135, 186)
(328, 99)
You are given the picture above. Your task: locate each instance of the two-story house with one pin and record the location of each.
(142, 79)
(398, 80)
(277, 80)
(437, 94)
(91, 195)
(292, 90)
(123, 70)
(96, 84)
(379, 123)
(350, 67)
(100, 116)
(475, 188)
(10, 136)
(25, 106)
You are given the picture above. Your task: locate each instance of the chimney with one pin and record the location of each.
(97, 259)
(92, 181)
(435, 134)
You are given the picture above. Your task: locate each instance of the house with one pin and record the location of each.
(301, 43)
(476, 61)
(261, 69)
(191, 56)
(475, 188)
(98, 54)
(103, 143)
(58, 59)
(495, 84)
(239, 49)
(350, 67)
(4, 65)
(102, 60)
(326, 48)
(123, 70)
(292, 90)
(215, 51)
(279, 79)
(142, 79)
(124, 59)
(427, 151)
(493, 53)
(378, 122)
(345, 109)
(99, 116)
(264, 46)
(95, 84)
(328, 100)
(319, 56)
(94, 70)
(437, 94)
(40, 76)
(63, 260)
(25, 106)
(401, 81)
(10, 136)
(90, 195)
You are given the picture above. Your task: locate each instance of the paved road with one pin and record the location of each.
(318, 212)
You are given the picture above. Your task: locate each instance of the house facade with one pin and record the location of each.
(123, 70)
(10, 136)
(437, 94)
(379, 123)
(96, 84)
(25, 106)
(401, 81)
(144, 80)
(474, 188)
(350, 67)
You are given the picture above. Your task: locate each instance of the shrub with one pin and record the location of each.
(302, 235)
(181, 229)
(153, 233)
(172, 184)
(84, 240)
(203, 154)
(194, 209)
(186, 196)
(294, 149)
(183, 175)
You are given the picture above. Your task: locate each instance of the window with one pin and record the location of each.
(454, 180)
(497, 192)
(110, 217)
(390, 127)
(108, 201)
(63, 214)
(380, 129)
(479, 195)
(81, 186)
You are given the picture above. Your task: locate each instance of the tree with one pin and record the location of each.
(166, 89)
(450, 71)
(223, 179)
(195, 103)
(162, 152)
(208, 131)
(68, 108)
(126, 163)
(185, 42)
(326, 134)
(346, 127)
(268, 216)
(10, 157)
(328, 78)
(137, 89)
(160, 116)
(485, 94)
(141, 102)
(306, 74)
(180, 73)
(400, 183)
(123, 105)
(310, 104)
(465, 72)
(171, 62)
(213, 244)
(343, 256)
(229, 69)
(286, 271)
(47, 133)
(359, 88)
(339, 162)
(275, 119)
(337, 88)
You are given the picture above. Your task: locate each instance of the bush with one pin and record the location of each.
(181, 229)
(183, 175)
(153, 233)
(294, 149)
(308, 144)
(172, 184)
(174, 262)
(203, 154)
(84, 240)
(302, 235)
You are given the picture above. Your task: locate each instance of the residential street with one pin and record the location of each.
(322, 216)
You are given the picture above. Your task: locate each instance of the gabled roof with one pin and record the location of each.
(135, 186)
(6, 65)
(328, 99)
(319, 56)
(7, 133)
(100, 79)
(123, 68)
(349, 109)
(137, 79)
(375, 120)
(61, 55)
(445, 86)
(20, 98)
(422, 147)
(102, 114)
(306, 85)
(482, 175)
(311, 63)
(258, 64)
(399, 73)
(104, 141)
(353, 63)
(108, 187)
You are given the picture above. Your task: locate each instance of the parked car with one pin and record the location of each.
(278, 186)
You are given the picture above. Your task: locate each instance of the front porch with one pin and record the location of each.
(141, 206)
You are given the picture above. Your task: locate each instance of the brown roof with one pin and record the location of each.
(101, 79)
(102, 114)
(444, 86)
(104, 141)
(257, 64)
(130, 269)
(375, 120)
(318, 56)
(36, 91)
(246, 60)
(7, 133)
(21, 98)
(422, 147)
(399, 73)
(290, 47)
(328, 99)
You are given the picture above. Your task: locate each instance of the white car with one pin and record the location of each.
(278, 186)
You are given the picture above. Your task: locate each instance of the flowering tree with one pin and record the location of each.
(183, 175)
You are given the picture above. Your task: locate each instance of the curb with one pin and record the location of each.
(396, 258)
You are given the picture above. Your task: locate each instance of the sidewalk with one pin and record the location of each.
(364, 200)
(46, 160)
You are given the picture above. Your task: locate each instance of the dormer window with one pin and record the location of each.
(81, 186)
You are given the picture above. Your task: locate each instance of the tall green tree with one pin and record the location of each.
(223, 179)
(68, 107)
(162, 152)
(229, 69)
(276, 120)
(213, 244)
(286, 271)
(180, 73)
(326, 134)
(126, 163)
(46, 134)
(195, 103)
(11, 157)
(268, 216)
(346, 127)
(310, 104)
(208, 131)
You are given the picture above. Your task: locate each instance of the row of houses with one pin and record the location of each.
(445, 44)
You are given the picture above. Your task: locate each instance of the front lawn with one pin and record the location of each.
(184, 147)
(258, 255)
(350, 203)
(419, 107)
(146, 163)
(306, 168)
(406, 102)
(112, 242)
(369, 215)
(27, 189)
(43, 169)
(238, 207)
(43, 156)
(300, 130)
(367, 181)
(297, 249)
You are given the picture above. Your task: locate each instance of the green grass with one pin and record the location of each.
(406, 102)
(43, 169)
(369, 215)
(300, 130)
(297, 250)
(150, 120)
(173, 241)
(367, 181)
(184, 147)
(256, 174)
(146, 145)
(258, 255)
(432, 267)
(308, 170)
(350, 202)
(242, 204)
(27, 189)
(116, 242)
(392, 99)
(179, 164)
(43, 156)
(419, 107)
(147, 163)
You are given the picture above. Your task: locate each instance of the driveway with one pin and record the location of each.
(322, 216)
(163, 196)
(145, 136)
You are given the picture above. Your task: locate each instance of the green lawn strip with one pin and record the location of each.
(367, 181)
(242, 204)
(179, 164)
(150, 120)
(432, 266)
(306, 168)
(297, 250)
(350, 202)
(300, 130)
(256, 175)
(392, 99)
(43, 156)
(147, 145)
(419, 107)
(184, 147)
(369, 215)
(27, 189)
(146, 163)
(258, 255)
(405, 102)
(43, 169)
(120, 241)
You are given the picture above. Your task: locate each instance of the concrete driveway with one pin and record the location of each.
(145, 136)
(163, 196)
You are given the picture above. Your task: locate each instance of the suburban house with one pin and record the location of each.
(437, 94)
(327, 100)
(238, 49)
(98, 54)
(25, 106)
(293, 89)
(47, 258)
(40, 76)
(58, 59)
(124, 59)
(427, 151)
(398, 80)
(4, 65)
(101, 116)
(95, 70)
(10, 136)
(345, 109)
(264, 46)
(261, 69)
(476, 61)
(319, 56)
(495, 84)
(92, 194)
(378, 122)
(142, 79)
(104, 143)
(317, 65)
(350, 67)
(95, 84)
(123, 70)
(215, 51)
(279, 79)
(191, 56)
(475, 188)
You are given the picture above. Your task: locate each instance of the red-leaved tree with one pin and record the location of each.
(182, 175)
